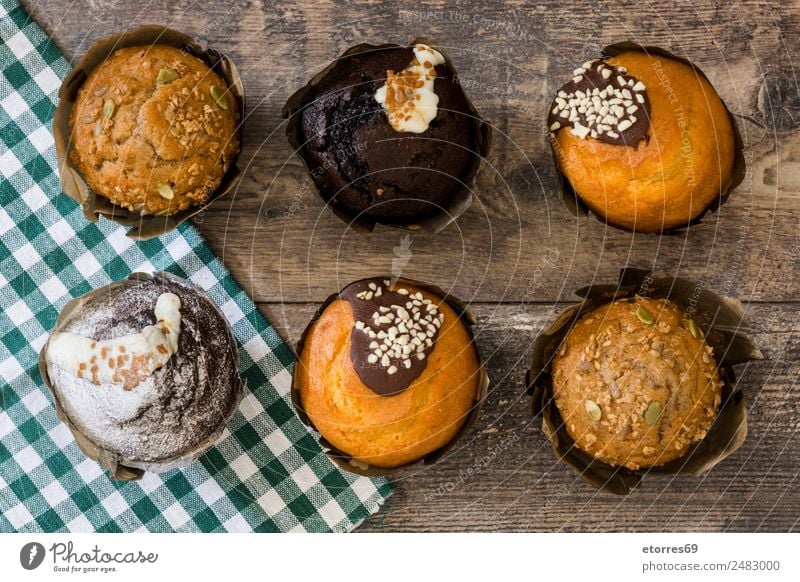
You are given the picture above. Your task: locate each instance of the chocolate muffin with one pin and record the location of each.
(388, 134)
(388, 373)
(154, 129)
(644, 140)
(636, 384)
(146, 369)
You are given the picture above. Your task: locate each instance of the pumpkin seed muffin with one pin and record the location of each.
(154, 129)
(636, 383)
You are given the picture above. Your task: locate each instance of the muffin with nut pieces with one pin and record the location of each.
(389, 372)
(389, 135)
(154, 130)
(144, 371)
(636, 383)
(644, 140)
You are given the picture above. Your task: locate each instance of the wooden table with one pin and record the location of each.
(517, 254)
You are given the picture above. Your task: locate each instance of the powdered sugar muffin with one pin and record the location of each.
(635, 382)
(146, 369)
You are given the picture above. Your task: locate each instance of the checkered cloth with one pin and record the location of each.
(267, 473)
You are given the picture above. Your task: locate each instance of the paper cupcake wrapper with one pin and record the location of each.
(573, 201)
(436, 223)
(347, 462)
(119, 467)
(725, 328)
(141, 226)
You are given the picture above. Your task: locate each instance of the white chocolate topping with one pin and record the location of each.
(125, 360)
(408, 96)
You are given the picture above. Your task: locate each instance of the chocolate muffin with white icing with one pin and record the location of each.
(146, 369)
(388, 134)
(388, 373)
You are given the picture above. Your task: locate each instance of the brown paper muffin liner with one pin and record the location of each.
(119, 467)
(141, 226)
(347, 462)
(725, 328)
(436, 223)
(577, 207)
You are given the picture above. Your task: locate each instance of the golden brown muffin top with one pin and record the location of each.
(154, 129)
(636, 383)
(676, 172)
(387, 431)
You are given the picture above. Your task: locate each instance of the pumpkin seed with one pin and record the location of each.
(219, 96)
(165, 191)
(108, 108)
(644, 316)
(593, 410)
(167, 75)
(653, 412)
(693, 329)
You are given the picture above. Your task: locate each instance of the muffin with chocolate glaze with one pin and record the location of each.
(146, 369)
(644, 140)
(636, 383)
(388, 134)
(154, 129)
(388, 373)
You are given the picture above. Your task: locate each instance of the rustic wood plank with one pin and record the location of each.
(511, 57)
(504, 477)
(517, 251)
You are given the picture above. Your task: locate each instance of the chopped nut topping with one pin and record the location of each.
(413, 327)
(408, 97)
(598, 104)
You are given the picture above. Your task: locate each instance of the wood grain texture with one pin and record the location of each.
(503, 475)
(517, 252)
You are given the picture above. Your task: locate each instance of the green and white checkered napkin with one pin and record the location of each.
(267, 473)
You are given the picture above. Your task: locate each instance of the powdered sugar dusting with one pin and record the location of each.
(128, 359)
(181, 403)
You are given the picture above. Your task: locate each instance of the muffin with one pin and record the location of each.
(388, 134)
(145, 369)
(643, 140)
(388, 372)
(635, 383)
(154, 129)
